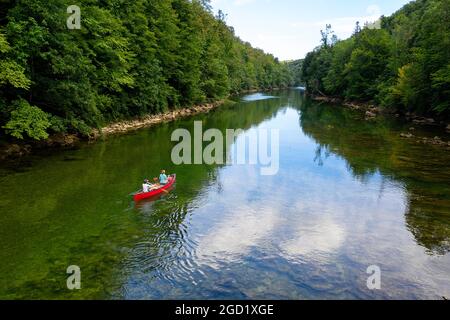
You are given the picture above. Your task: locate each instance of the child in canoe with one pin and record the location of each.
(148, 187)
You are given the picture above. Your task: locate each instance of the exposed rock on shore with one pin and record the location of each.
(147, 121)
(61, 140)
(407, 135)
(371, 111)
(15, 151)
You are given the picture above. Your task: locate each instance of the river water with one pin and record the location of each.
(349, 194)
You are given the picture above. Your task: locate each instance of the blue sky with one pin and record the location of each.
(291, 28)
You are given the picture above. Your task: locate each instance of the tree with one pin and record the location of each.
(335, 82)
(27, 120)
(403, 65)
(11, 73)
(130, 58)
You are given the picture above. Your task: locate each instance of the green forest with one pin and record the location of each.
(130, 58)
(401, 62)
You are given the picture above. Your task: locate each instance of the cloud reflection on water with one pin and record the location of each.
(257, 97)
(316, 238)
(236, 235)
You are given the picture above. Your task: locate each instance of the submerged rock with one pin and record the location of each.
(424, 121)
(370, 114)
(15, 151)
(436, 141)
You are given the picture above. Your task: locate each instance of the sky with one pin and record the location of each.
(289, 29)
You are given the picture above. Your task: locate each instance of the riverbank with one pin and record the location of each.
(17, 149)
(20, 148)
(150, 120)
(372, 111)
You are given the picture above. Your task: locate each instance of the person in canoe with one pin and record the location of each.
(163, 179)
(148, 187)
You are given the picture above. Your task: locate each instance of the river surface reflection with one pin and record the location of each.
(349, 194)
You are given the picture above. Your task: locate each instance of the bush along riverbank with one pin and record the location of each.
(372, 111)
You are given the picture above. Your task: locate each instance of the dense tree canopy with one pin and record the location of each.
(129, 58)
(295, 68)
(402, 62)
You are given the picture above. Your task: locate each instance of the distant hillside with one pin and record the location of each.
(403, 64)
(295, 67)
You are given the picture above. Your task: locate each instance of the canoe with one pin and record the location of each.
(145, 195)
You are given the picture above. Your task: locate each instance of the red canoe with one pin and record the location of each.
(146, 195)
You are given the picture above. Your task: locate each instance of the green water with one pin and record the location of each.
(349, 194)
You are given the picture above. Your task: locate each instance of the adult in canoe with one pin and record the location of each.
(163, 179)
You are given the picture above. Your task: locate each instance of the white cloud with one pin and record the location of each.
(342, 26)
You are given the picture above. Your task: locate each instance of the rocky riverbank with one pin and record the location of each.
(20, 149)
(150, 120)
(372, 112)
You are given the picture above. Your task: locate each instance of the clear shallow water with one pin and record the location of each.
(349, 194)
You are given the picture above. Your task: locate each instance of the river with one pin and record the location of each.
(349, 194)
